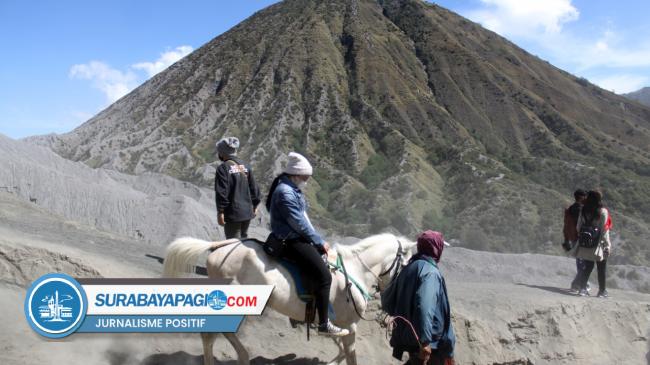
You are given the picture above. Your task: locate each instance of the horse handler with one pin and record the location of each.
(417, 300)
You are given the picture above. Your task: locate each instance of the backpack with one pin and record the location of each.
(589, 235)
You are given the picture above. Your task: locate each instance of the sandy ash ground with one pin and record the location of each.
(61, 216)
(508, 309)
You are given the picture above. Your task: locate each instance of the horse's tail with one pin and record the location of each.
(182, 255)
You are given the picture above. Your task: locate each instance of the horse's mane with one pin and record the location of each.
(365, 243)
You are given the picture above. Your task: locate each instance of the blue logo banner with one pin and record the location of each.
(57, 305)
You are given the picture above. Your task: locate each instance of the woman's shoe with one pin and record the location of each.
(603, 294)
(583, 293)
(329, 329)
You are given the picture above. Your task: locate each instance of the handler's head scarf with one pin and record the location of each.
(431, 243)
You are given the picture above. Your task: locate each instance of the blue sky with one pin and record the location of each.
(63, 61)
(605, 41)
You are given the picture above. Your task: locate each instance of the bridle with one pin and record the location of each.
(394, 265)
(398, 258)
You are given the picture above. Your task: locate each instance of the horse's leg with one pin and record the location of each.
(341, 355)
(242, 353)
(348, 346)
(208, 342)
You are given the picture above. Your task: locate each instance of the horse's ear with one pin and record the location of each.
(335, 245)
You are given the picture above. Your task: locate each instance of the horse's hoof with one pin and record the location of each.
(294, 323)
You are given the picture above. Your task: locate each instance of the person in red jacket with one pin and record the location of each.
(570, 231)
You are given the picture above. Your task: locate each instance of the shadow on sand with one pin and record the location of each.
(552, 289)
(182, 357)
(199, 270)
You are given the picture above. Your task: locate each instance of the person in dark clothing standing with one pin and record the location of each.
(236, 192)
(419, 295)
(570, 231)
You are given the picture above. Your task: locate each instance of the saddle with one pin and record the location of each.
(304, 287)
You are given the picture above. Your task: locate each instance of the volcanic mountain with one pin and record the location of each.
(413, 116)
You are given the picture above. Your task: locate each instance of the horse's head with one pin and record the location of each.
(381, 256)
(392, 265)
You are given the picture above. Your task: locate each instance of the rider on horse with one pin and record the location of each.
(290, 223)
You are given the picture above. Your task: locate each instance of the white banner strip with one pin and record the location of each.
(177, 299)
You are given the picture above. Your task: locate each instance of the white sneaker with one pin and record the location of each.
(329, 329)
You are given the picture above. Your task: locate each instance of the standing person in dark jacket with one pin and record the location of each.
(419, 295)
(236, 192)
(570, 231)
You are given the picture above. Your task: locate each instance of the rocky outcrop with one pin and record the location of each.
(22, 265)
(504, 325)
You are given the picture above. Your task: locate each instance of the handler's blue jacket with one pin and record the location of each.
(419, 294)
(288, 214)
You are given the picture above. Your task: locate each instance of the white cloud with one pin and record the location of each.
(540, 24)
(113, 83)
(525, 17)
(616, 56)
(165, 60)
(622, 83)
(607, 50)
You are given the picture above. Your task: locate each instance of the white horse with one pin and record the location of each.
(370, 262)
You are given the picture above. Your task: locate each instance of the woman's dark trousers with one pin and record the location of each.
(602, 273)
(310, 262)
